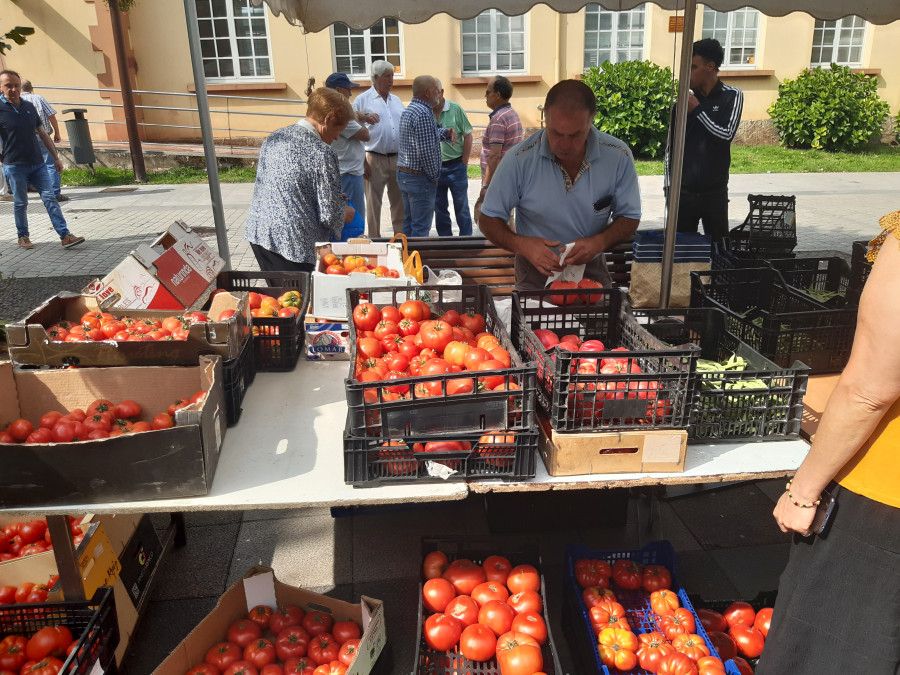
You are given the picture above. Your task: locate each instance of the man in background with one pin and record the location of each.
(349, 148)
(382, 147)
(713, 116)
(419, 161)
(504, 130)
(454, 168)
(47, 113)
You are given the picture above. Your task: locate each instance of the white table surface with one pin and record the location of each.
(287, 452)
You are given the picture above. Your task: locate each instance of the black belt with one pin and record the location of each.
(384, 154)
(451, 161)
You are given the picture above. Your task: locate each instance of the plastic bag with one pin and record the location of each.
(352, 229)
(444, 278)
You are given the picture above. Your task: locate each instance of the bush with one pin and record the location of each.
(828, 109)
(634, 99)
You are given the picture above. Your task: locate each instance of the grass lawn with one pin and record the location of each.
(744, 159)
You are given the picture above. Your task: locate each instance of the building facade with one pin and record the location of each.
(258, 67)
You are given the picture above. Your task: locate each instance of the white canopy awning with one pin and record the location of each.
(315, 15)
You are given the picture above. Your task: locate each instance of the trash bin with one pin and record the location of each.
(80, 137)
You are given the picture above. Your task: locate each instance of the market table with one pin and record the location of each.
(287, 452)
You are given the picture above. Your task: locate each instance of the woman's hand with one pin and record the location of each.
(792, 518)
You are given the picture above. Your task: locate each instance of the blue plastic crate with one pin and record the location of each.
(636, 603)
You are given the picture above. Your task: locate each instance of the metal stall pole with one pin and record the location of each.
(677, 156)
(209, 148)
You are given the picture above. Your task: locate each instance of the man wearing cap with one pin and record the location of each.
(382, 147)
(454, 168)
(349, 147)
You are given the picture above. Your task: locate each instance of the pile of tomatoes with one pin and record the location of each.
(286, 305)
(485, 612)
(739, 632)
(399, 458)
(672, 647)
(562, 299)
(44, 653)
(97, 326)
(282, 641)
(101, 419)
(393, 343)
(21, 539)
(356, 264)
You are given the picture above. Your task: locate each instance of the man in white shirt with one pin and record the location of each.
(382, 147)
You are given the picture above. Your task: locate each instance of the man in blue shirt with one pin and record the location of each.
(569, 183)
(419, 161)
(23, 163)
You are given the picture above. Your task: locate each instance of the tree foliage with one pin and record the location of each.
(19, 35)
(828, 109)
(634, 99)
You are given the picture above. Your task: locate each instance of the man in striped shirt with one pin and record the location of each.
(714, 113)
(419, 160)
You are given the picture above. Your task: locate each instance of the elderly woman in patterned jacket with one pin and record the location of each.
(297, 200)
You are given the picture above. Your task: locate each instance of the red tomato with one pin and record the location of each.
(712, 620)
(627, 574)
(478, 643)
(260, 652)
(437, 594)
(391, 313)
(223, 655)
(530, 623)
(241, 668)
(740, 612)
(12, 652)
(369, 348)
(243, 631)
(435, 564)
(349, 650)
(462, 573)
(742, 666)
(299, 666)
(723, 643)
(316, 623)
(519, 654)
(261, 614)
(51, 418)
(436, 335)
(487, 591)
(346, 630)
(656, 577)
(496, 568)
(366, 316)
(526, 601)
(20, 429)
(594, 595)
(663, 600)
(472, 321)
(414, 310)
(590, 572)
(652, 647)
(128, 410)
(693, 646)
(323, 648)
(47, 666)
(203, 669)
(763, 620)
(40, 435)
(48, 641)
(442, 631)
(162, 421)
(523, 578)
(291, 642)
(496, 615)
(677, 622)
(331, 668)
(463, 608)
(750, 640)
(100, 405)
(6, 437)
(7, 593)
(676, 663)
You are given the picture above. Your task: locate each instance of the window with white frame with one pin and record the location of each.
(234, 39)
(493, 43)
(737, 32)
(838, 42)
(355, 50)
(613, 36)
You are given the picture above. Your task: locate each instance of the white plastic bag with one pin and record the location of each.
(444, 278)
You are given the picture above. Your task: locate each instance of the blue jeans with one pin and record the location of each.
(454, 178)
(51, 171)
(418, 203)
(19, 177)
(354, 188)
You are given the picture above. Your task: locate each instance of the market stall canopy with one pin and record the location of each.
(316, 15)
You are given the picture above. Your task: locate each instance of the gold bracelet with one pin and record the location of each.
(795, 502)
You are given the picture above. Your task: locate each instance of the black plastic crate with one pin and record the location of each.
(506, 455)
(720, 412)
(778, 322)
(372, 413)
(657, 397)
(770, 228)
(636, 604)
(859, 271)
(278, 342)
(93, 623)
(430, 662)
(238, 374)
(824, 279)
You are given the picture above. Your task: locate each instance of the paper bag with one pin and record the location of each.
(646, 279)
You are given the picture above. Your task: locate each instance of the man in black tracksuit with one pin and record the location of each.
(714, 113)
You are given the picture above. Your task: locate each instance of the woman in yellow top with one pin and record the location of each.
(838, 608)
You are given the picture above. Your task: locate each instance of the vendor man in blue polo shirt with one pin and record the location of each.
(568, 183)
(23, 162)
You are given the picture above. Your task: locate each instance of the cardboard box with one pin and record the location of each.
(30, 345)
(577, 454)
(260, 587)
(327, 340)
(329, 291)
(169, 463)
(171, 273)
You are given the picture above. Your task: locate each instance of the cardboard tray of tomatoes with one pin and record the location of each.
(636, 603)
(375, 412)
(93, 623)
(771, 410)
(431, 662)
(278, 342)
(651, 387)
(778, 322)
(508, 455)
